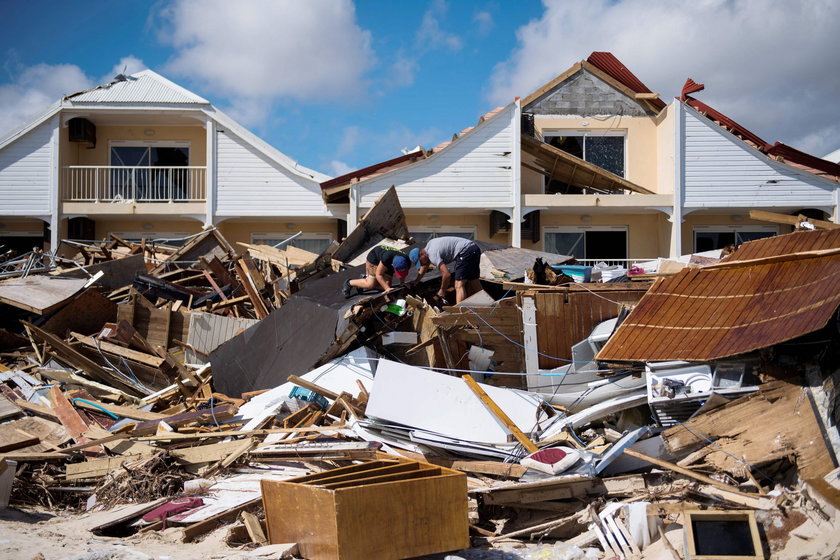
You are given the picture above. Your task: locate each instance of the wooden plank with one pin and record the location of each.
(8, 408)
(95, 388)
(122, 411)
(39, 294)
(74, 358)
(204, 416)
(95, 468)
(687, 472)
(67, 415)
(254, 527)
(260, 309)
(500, 414)
(105, 346)
(208, 453)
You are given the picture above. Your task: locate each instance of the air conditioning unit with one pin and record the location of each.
(82, 130)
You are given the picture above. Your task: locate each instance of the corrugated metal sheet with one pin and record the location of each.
(608, 63)
(797, 242)
(143, 87)
(729, 309)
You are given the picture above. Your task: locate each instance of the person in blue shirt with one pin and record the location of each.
(382, 264)
(441, 251)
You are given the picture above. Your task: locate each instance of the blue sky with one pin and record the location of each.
(338, 85)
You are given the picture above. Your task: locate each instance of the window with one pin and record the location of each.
(604, 148)
(422, 234)
(596, 242)
(151, 170)
(313, 242)
(709, 238)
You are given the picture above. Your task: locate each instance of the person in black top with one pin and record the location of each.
(382, 264)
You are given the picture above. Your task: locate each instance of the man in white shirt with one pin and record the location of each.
(441, 251)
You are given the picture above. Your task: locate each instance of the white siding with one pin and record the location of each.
(472, 172)
(251, 184)
(25, 171)
(723, 171)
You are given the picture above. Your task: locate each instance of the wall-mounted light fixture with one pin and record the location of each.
(584, 123)
(290, 225)
(148, 226)
(736, 218)
(586, 218)
(149, 132)
(434, 218)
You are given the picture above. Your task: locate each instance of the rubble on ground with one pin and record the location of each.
(684, 409)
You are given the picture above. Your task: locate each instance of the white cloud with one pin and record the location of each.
(35, 88)
(430, 35)
(484, 22)
(269, 50)
(338, 168)
(768, 64)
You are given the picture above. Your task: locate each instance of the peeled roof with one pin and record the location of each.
(734, 307)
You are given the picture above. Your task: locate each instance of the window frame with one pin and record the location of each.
(150, 144)
(583, 229)
(585, 133)
(736, 229)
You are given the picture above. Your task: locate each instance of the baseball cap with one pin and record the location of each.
(414, 255)
(400, 265)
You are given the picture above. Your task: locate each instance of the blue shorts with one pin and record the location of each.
(467, 263)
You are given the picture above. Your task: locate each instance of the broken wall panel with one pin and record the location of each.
(565, 316)
(39, 294)
(117, 272)
(292, 340)
(208, 331)
(85, 314)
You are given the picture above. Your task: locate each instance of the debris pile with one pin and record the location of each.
(687, 412)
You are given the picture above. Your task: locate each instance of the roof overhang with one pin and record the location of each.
(557, 164)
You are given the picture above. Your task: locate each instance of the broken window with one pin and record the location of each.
(709, 238)
(604, 148)
(603, 243)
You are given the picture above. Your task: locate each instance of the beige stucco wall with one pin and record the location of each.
(648, 235)
(79, 153)
(666, 123)
(240, 232)
(641, 144)
(480, 221)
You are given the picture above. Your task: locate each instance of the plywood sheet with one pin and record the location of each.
(39, 294)
(445, 404)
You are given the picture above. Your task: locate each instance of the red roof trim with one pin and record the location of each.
(607, 62)
(359, 173)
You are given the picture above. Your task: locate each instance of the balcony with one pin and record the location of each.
(91, 183)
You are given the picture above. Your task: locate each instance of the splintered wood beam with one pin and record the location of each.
(687, 472)
(775, 218)
(500, 414)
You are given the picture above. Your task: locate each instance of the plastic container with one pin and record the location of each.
(579, 273)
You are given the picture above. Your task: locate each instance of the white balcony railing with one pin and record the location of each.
(92, 183)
